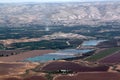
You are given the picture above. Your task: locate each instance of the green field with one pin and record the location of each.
(102, 54)
(51, 44)
(1, 47)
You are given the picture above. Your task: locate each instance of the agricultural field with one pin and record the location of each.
(24, 55)
(78, 76)
(45, 44)
(14, 69)
(5, 68)
(91, 76)
(102, 54)
(53, 71)
(73, 67)
(112, 59)
(21, 32)
(2, 47)
(27, 78)
(41, 45)
(39, 30)
(68, 40)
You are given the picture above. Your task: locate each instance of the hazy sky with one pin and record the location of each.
(11, 1)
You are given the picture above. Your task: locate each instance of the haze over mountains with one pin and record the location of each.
(69, 14)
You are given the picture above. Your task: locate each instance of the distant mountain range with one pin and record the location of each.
(68, 14)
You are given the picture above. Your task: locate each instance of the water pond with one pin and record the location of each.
(67, 53)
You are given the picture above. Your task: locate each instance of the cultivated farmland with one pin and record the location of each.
(74, 67)
(9, 68)
(27, 78)
(91, 76)
(102, 54)
(115, 58)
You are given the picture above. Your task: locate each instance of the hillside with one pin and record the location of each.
(59, 14)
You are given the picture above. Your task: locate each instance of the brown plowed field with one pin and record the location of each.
(29, 78)
(15, 68)
(35, 78)
(91, 76)
(8, 68)
(55, 66)
(24, 55)
(12, 79)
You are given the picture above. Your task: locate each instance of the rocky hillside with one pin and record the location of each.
(59, 13)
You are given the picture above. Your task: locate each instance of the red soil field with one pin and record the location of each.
(55, 66)
(12, 79)
(35, 78)
(28, 78)
(91, 76)
(7, 68)
(24, 55)
(115, 58)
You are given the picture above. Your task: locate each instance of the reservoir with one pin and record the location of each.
(67, 53)
(92, 42)
(62, 54)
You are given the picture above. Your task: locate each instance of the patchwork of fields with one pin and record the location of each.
(112, 59)
(74, 67)
(102, 54)
(91, 76)
(92, 67)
